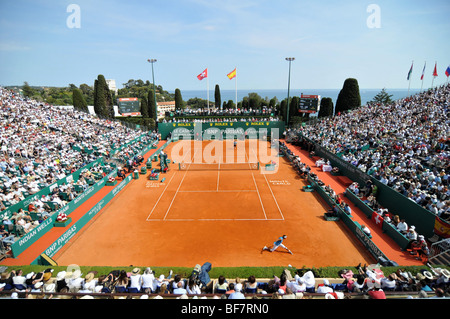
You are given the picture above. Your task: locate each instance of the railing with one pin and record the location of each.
(439, 248)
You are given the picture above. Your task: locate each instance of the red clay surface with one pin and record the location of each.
(221, 216)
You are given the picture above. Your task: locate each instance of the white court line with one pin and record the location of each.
(221, 191)
(271, 191)
(160, 196)
(218, 177)
(218, 219)
(254, 181)
(236, 219)
(167, 212)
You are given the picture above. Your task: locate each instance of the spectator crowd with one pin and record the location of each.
(367, 282)
(405, 145)
(41, 144)
(201, 115)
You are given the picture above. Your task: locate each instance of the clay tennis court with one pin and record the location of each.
(222, 215)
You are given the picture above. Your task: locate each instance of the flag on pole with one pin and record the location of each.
(232, 74)
(435, 70)
(203, 75)
(410, 71)
(447, 72)
(423, 72)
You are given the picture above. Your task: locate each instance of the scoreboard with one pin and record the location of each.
(309, 103)
(129, 106)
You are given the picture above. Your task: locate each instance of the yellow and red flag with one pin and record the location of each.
(232, 74)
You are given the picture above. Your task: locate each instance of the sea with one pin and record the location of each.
(225, 95)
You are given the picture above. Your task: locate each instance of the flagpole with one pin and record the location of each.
(432, 81)
(235, 83)
(423, 75)
(409, 85)
(207, 93)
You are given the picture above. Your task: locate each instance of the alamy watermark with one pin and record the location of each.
(73, 21)
(374, 19)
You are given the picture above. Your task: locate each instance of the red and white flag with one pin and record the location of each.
(203, 75)
(377, 219)
(423, 72)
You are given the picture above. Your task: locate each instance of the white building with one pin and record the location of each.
(112, 85)
(164, 107)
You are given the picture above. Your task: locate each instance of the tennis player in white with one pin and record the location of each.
(276, 244)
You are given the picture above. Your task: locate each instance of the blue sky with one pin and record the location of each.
(330, 40)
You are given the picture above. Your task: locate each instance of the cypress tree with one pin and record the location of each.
(326, 107)
(101, 97)
(151, 105)
(105, 98)
(283, 109)
(144, 107)
(79, 103)
(349, 96)
(178, 100)
(293, 107)
(97, 104)
(217, 99)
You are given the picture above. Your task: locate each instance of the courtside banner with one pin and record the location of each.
(64, 238)
(47, 190)
(32, 236)
(73, 229)
(189, 129)
(351, 224)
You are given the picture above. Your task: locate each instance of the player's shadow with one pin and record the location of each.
(275, 251)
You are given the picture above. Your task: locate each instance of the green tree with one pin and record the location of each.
(100, 99)
(103, 104)
(349, 97)
(254, 100)
(230, 104)
(151, 105)
(144, 107)
(88, 93)
(273, 102)
(326, 107)
(27, 90)
(196, 103)
(382, 98)
(217, 99)
(283, 109)
(178, 100)
(79, 103)
(97, 105)
(293, 108)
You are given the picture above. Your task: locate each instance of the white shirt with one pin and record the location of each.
(324, 289)
(402, 226)
(147, 280)
(135, 281)
(89, 285)
(195, 290)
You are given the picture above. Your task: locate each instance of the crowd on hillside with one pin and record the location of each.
(367, 282)
(41, 144)
(405, 145)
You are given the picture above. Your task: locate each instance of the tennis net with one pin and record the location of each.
(218, 166)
